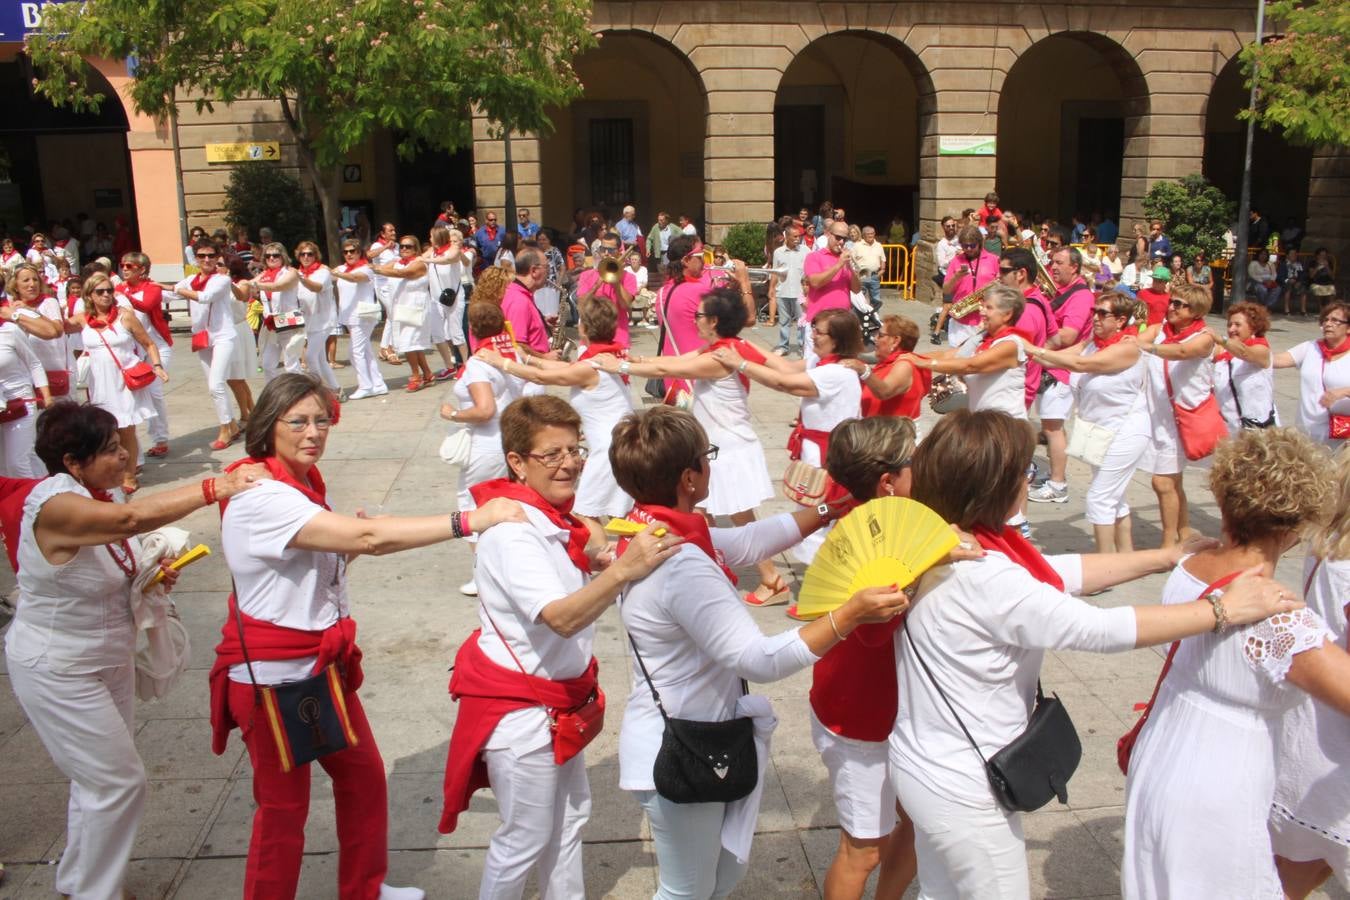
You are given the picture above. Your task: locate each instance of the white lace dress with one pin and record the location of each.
(1202, 774)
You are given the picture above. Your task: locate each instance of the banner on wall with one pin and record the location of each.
(966, 145)
(19, 18)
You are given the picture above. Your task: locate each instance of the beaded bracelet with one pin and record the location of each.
(456, 525)
(209, 491)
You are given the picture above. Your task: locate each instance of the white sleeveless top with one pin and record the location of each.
(1192, 382)
(278, 302)
(1004, 391)
(73, 618)
(1109, 400)
(318, 307)
(1255, 390)
(722, 407)
(350, 293)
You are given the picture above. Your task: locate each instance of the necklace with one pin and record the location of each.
(127, 561)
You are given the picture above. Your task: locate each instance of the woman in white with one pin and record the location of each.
(147, 300)
(1244, 376)
(481, 394)
(69, 652)
(982, 628)
(697, 642)
(1310, 816)
(211, 307)
(382, 252)
(21, 376)
(359, 311)
(1181, 352)
(739, 476)
(536, 618)
(600, 397)
(1108, 385)
(315, 295)
(197, 233)
(111, 335)
(1202, 773)
(410, 305)
(277, 288)
(41, 318)
(549, 297)
(443, 279)
(1324, 378)
(244, 361)
(993, 361)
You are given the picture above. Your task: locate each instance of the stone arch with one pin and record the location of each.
(850, 113)
(636, 135)
(1072, 128)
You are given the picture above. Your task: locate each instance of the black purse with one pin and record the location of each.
(1038, 764)
(447, 297)
(703, 762)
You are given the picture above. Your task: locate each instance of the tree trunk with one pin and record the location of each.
(511, 223)
(330, 209)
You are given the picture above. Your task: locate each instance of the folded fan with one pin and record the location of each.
(889, 540)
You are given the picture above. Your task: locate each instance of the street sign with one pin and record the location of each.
(258, 151)
(966, 145)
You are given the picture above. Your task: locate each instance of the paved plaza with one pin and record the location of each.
(382, 457)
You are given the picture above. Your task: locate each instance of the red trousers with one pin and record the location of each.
(359, 794)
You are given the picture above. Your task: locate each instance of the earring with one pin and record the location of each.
(890, 490)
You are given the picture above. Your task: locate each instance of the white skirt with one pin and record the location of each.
(598, 493)
(244, 355)
(739, 480)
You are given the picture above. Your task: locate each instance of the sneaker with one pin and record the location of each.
(443, 375)
(380, 393)
(934, 337)
(1025, 528)
(389, 892)
(1048, 493)
(359, 394)
(469, 588)
(779, 351)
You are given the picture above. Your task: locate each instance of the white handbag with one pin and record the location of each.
(455, 447)
(410, 312)
(82, 371)
(368, 309)
(1089, 442)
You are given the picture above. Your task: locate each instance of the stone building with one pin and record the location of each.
(737, 111)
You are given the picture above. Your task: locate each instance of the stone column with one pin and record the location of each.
(489, 169)
(1328, 197)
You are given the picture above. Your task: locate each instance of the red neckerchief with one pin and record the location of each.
(693, 527)
(1329, 352)
(316, 490)
(1171, 336)
(404, 263)
(829, 359)
(1224, 355)
(153, 307)
(578, 535)
(200, 281)
(746, 350)
(1011, 544)
(1103, 343)
(6, 257)
(618, 350)
(61, 245)
(491, 232)
(309, 269)
(100, 324)
(441, 251)
(1001, 333)
(352, 267)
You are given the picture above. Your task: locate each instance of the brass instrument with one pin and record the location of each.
(758, 275)
(1044, 281)
(610, 269)
(969, 303)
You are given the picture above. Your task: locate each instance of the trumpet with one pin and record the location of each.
(610, 269)
(758, 275)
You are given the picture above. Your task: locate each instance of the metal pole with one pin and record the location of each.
(1245, 202)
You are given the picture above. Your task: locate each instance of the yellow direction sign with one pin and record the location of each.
(257, 151)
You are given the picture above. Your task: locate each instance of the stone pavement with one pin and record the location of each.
(195, 835)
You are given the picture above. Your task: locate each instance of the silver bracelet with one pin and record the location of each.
(830, 615)
(1220, 614)
(741, 368)
(865, 374)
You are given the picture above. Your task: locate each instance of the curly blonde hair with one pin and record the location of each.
(1331, 539)
(491, 285)
(1270, 481)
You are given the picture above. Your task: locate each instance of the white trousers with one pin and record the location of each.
(86, 723)
(280, 351)
(454, 321)
(691, 862)
(17, 459)
(159, 425)
(964, 853)
(1106, 495)
(364, 361)
(216, 361)
(316, 357)
(543, 807)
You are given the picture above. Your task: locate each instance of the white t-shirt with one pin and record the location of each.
(318, 309)
(53, 352)
(211, 311)
(350, 293)
(20, 368)
(1255, 390)
(295, 588)
(486, 436)
(1314, 419)
(840, 398)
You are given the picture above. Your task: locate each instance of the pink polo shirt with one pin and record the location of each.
(834, 293)
(519, 309)
(982, 271)
(676, 308)
(589, 279)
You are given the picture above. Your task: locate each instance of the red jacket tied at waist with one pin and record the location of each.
(268, 641)
(487, 692)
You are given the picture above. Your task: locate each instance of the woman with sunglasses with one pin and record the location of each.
(1109, 387)
(1324, 378)
(212, 305)
(147, 300)
(1199, 272)
(410, 312)
(895, 386)
(111, 334)
(277, 288)
(315, 295)
(197, 234)
(1181, 371)
(287, 552)
(358, 310)
(40, 317)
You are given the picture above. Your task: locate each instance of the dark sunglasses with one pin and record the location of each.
(350, 251)
(970, 246)
(407, 246)
(272, 256)
(1003, 271)
(101, 290)
(1176, 304)
(305, 253)
(207, 255)
(1104, 314)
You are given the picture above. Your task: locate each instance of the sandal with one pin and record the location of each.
(130, 486)
(779, 592)
(158, 450)
(221, 445)
(414, 385)
(792, 613)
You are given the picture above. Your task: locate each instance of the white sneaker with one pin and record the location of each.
(388, 892)
(379, 393)
(1047, 493)
(359, 394)
(469, 588)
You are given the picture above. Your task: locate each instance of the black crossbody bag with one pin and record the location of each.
(1039, 762)
(1237, 403)
(703, 762)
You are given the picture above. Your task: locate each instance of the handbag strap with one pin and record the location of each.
(118, 362)
(239, 622)
(642, 666)
(1232, 386)
(1307, 585)
(515, 659)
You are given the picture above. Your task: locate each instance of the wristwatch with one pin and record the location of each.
(624, 367)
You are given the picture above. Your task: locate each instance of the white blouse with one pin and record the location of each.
(318, 308)
(211, 311)
(20, 369)
(1005, 391)
(1255, 387)
(1314, 379)
(1111, 400)
(352, 293)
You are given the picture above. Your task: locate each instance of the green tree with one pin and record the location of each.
(745, 241)
(259, 195)
(340, 69)
(1195, 214)
(1303, 72)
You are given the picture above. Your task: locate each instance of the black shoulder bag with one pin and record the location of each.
(1038, 764)
(703, 762)
(1237, 402)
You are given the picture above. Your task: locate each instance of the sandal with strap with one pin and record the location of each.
(414, 385)
(779, 592)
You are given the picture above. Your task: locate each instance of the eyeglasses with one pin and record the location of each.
(1104, 314)
(1176, 304)
(349, 251)
(554, 459)
(101, 290)
(1054, 243)
(709, 454)
(407, 247)
(1334, 322)
(272, 256)
(609, 251)
(702, 315)
(207, 255)
(1003, 271)
(970, 246)
(305, 253)
(298, 426)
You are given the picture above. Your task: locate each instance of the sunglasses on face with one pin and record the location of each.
(350, 251)
(101, 290)
(1103, 314)
(407, 246)
(272, 256)
(1176, 304)
(305, 253)
(1003, 271)
(970, 246)
(206, 255)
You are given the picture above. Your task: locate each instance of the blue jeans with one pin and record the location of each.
(690, 861)
(1267, 297)
(871, 286)
(789, 310)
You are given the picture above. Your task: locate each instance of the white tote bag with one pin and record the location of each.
(1089, 442)
(455, 447)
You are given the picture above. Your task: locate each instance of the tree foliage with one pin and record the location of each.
(340, 69)
(260, 195)
(1303, 74)
(1195, 214)
(745, 241)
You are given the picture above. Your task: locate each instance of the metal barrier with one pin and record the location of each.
(899, 270)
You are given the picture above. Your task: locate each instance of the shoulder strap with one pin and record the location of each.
(642, 667)
(1307, 585)
(974, 746)
(239, 623)
(515, 659)
(1063, 296)
(1172, 651)
(99, 332)
(1232, 386)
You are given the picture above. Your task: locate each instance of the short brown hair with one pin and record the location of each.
(309, 245)
(1337, 307)
(528, 416)
(651, 450)
(1258, 317)
(1270, 482)
(903, 328)
(599, 319)
(842, 327)
(862, 450)
(280, 394)
(491, 285)
(970, 234)
(1196, 297)
(972, 468)
(485, 319)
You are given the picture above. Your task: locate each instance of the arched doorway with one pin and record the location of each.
(1070, 119)
(55, 163)
(848, 117)
(1280, 170)
(634, 137)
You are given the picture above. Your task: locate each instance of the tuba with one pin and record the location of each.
(610, 269)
